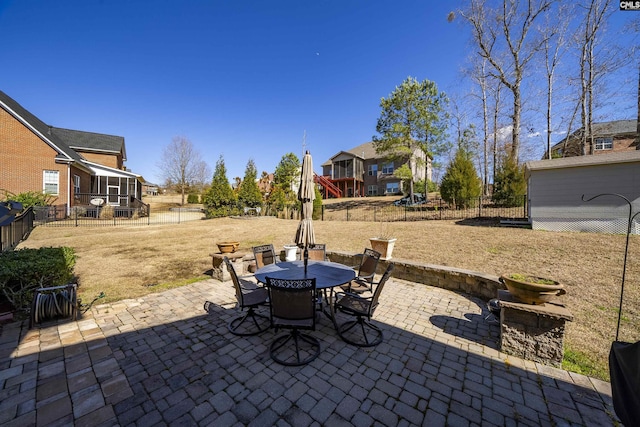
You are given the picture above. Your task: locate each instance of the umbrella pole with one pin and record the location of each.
(305, 256)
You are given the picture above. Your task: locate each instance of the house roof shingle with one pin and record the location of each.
(613, 128)
(89, 141)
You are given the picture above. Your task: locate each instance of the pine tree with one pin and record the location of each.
(460, 184)
(220, 200)
(249, 194)
(509, 184)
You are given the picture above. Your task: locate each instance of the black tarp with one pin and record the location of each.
(624, 368)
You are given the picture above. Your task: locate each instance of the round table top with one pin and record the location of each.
(327, 274)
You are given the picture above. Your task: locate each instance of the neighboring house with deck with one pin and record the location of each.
(73, 167)
(361, 171)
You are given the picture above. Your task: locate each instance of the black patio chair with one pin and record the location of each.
(366, 273)
(264, 255)
(362, 308)
(250, 296)
(317, 252)
(293, 306)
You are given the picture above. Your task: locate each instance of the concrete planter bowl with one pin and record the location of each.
(228, 247)
(531, 289)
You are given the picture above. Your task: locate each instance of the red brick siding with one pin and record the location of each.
(109, 160)
(24, 158)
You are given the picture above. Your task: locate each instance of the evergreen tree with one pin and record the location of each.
(220, 199)
(460, 184)
(509, 184)
(286, 175)
(249, 194)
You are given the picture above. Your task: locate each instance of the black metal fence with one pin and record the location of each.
(434, 209)
(16, 231)
(101, 216)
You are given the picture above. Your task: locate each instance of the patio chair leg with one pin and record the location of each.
(235, 324)
(347, 326)
(279, 342)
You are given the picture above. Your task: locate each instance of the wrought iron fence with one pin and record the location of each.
(434, 209)
(60, 216)
(16, 231)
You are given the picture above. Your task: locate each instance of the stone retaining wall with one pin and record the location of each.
(474, 283)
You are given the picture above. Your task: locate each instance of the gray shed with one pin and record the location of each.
(556, 187)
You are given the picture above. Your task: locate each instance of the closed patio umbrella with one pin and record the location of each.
(305, 235)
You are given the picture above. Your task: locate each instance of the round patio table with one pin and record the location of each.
(327, 274)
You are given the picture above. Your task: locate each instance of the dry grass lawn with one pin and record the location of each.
(129, 262)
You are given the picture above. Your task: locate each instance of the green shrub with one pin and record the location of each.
(460, 184)
(193, 198)
(509, 184)
(25, 270)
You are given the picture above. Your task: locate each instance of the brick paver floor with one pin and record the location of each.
(163, 360)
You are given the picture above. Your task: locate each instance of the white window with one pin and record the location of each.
(50, 182)
(372, 190)
(392, 188)
(373, 170)
(604, 143)
(387, 168)
(76, 185)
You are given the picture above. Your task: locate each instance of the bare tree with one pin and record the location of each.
(502, 35)
(181, 165)
(589, 30)
(555, 31)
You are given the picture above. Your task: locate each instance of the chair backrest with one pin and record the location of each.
(368, 264)
(318, 252)
(378, 289)
(292, 302)
(235, 280)
(264, 255)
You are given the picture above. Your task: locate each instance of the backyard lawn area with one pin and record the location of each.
(130, 262)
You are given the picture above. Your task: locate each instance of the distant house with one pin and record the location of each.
(361, 171)
(73, 167)
(608, 137)
(556, 188)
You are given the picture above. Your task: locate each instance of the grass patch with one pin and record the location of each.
(581, 363)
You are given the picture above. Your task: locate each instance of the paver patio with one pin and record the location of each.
(163, 360)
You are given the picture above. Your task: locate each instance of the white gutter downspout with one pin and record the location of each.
(68, 189)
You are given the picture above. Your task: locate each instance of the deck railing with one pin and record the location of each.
(16, 231)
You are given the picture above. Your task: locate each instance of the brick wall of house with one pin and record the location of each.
(24, 159)
(109, 160)
(620, 144)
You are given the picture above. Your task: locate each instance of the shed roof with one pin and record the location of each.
(580, 161)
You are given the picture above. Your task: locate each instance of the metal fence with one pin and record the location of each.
(435, 209)
(57, 216)
(16, 231)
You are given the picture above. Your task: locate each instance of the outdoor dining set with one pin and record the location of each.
(298, 292)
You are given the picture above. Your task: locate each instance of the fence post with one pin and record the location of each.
(322, 213)
(347, 213)
(480, 207)
(149, 215)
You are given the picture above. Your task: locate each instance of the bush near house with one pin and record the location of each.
(25, 270)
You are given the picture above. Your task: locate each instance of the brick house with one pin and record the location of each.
(608, 137)
(361, 171)
(73, 167)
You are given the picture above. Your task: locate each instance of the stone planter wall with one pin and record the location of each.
(454, 279)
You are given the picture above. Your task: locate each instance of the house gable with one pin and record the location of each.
(108, 150)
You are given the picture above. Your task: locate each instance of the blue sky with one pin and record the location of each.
(239, 78)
